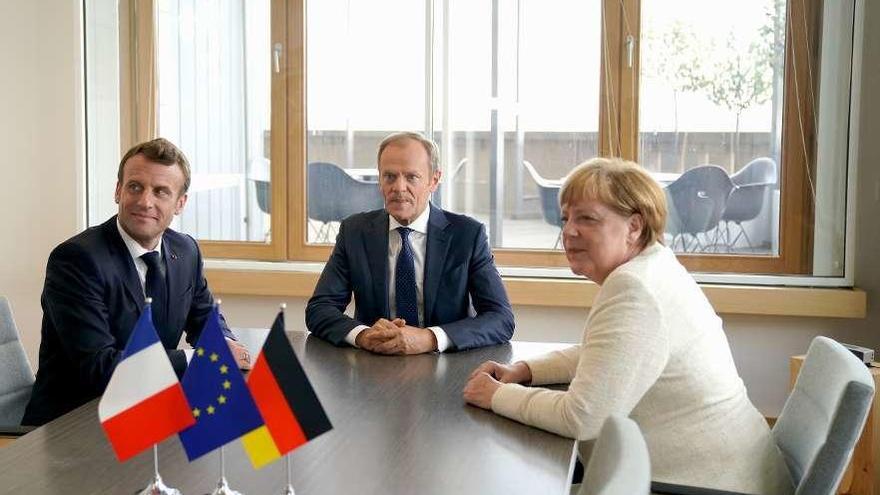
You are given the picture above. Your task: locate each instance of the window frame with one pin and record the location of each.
(618, 135)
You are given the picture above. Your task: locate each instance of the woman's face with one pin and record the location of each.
(597, 239)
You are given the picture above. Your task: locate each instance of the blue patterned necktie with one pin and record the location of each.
(405, 281)
(156, 288)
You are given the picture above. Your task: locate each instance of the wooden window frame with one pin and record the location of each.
(276, 248)
(618, 135)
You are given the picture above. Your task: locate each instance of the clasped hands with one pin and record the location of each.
(488, 378)
(396, 337)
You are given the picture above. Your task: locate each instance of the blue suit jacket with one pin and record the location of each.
(459, 273)
(91, 300)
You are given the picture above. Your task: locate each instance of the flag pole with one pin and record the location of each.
(157, 486)
(289, 489)
(223, 485)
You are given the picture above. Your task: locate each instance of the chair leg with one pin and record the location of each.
(743, 233)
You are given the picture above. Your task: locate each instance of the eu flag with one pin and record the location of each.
(220, 400)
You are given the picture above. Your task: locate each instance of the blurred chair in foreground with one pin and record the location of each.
(820, 422)
(16, 378)
(619, 464)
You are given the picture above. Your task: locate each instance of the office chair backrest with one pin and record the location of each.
(619, 464)
(823, 417)
(335, 195)
(549, 194)
(697, 199)
(16, 377)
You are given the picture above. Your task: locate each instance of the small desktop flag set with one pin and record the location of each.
(291, 411)
(275, 411)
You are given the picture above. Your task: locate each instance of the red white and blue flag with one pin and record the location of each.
(144, 402)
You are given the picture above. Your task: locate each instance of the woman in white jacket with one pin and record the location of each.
(652, 349)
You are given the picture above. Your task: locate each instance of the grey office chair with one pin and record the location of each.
(820, 422)
(619, 464)
(549, 193)
(747, 198)
(335, 195)
(696, 202)
(16, 378)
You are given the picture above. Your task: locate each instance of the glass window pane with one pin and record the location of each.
(710, 115)
(365, 79)
(214, 102)
(513, 119)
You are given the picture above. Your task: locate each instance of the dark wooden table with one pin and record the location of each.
(400, 426)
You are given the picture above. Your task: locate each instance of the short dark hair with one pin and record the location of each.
(159, 150)
(430, 147)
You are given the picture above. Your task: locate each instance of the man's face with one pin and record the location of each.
(406, 180)
(148, 197)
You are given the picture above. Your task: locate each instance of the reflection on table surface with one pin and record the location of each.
(400, 426)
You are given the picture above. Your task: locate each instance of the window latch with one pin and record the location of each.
(630, 46)
(276, 57)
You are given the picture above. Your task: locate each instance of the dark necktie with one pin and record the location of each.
(405, 281)
(155, 287)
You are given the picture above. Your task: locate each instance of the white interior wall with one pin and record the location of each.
(41, 134)
(42, 172)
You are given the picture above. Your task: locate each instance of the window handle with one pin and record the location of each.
(630, 46)
(276, 57)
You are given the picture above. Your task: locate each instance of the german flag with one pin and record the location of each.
(292, 413)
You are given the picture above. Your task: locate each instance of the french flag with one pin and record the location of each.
(143, 403)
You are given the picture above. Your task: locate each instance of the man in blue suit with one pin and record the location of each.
(96, 283)
(423, 279)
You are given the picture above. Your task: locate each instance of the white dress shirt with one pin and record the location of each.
(418, 239)
(136, 251)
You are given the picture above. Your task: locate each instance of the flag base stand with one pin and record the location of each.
(157, 487)
(223, 488)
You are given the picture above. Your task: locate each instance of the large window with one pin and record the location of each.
(739, 110)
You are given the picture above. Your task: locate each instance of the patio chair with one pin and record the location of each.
(549, 193)
(696, 202)
(747, 198)
(334, 195)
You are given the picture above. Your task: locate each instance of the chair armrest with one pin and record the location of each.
(661, 488)
(15, 431)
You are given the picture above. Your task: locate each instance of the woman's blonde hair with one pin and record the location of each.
(623, 186)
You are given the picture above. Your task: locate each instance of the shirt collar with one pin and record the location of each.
(420, 224)
(135, 249)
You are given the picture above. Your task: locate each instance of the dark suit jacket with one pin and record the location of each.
(459, 273)
(91, 300)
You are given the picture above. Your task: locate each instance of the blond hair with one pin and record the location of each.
(623, 186)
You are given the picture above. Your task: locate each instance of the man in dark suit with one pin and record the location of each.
(418, 273)
(97, 281)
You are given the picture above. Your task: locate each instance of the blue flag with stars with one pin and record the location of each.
(217, 393)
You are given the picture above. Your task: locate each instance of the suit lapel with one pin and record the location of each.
(376, 247)
(435, 257)
(174, 276)
(124, 264)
